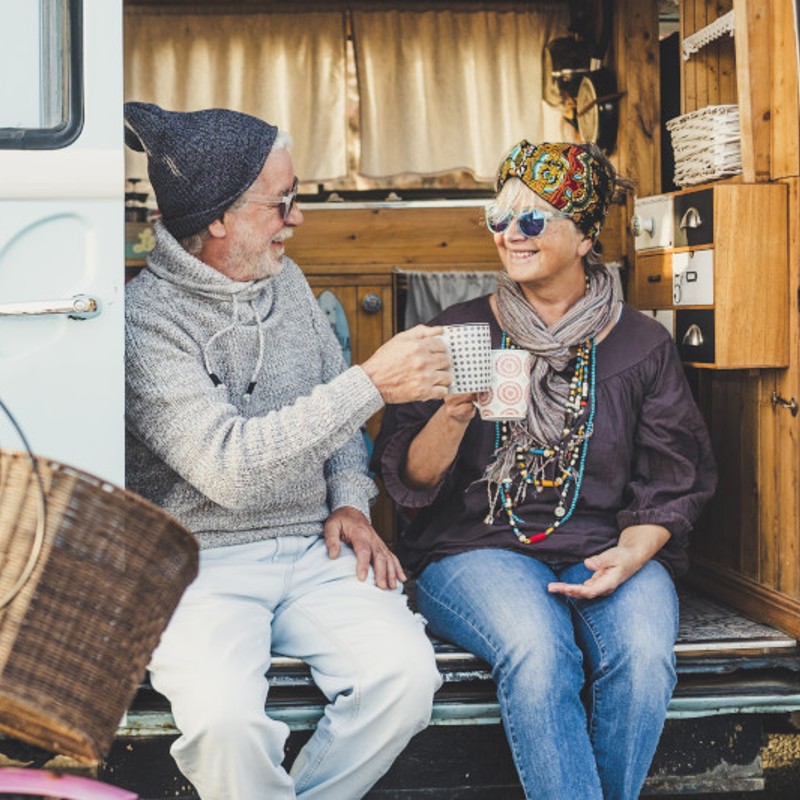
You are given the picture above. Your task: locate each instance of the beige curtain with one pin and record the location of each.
(443, 90)
(288, 69)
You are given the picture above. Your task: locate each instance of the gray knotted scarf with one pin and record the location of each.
(552, 350)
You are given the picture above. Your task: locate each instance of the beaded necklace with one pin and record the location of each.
(568, 457)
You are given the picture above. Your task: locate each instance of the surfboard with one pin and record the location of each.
(334, 311)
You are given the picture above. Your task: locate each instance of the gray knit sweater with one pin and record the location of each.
(237, 467)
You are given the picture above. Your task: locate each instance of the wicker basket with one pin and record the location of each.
(706, 144)
(106, 570)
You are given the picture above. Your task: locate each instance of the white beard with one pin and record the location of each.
(253, 261)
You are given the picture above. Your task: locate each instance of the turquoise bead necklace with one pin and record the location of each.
(570, 453)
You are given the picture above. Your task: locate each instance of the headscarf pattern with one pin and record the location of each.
(565, 175)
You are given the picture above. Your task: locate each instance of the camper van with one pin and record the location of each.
(697, 101)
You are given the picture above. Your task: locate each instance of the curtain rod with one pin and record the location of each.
(316, 6)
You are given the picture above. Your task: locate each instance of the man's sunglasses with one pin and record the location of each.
(285, 202)
(530, 221)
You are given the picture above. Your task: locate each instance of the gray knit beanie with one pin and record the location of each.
(199, 162)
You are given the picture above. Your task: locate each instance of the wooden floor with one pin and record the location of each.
(708, 626)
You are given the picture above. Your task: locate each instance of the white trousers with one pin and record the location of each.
(367, 653)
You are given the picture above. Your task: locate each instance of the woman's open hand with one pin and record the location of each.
(611, 568)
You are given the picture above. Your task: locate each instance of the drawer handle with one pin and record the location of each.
(654, 279)
(691, 219)
(641, 225)
(693, 336)
(372, 304)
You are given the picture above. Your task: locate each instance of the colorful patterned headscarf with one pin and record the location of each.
(565, 175)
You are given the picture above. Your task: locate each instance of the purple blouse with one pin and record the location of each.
(649, 460)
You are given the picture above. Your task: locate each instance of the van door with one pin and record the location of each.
(61, 231)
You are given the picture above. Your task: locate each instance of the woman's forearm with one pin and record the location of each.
(646, 540)
(434, 448)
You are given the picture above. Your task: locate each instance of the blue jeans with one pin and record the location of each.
(583, 686)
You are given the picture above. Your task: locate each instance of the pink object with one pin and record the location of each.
(63, 787)
(508, 396)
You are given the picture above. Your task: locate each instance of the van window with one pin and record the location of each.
(40, 45)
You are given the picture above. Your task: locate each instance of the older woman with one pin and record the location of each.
(548, 546)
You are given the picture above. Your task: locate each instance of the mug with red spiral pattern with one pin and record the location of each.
(508, 396)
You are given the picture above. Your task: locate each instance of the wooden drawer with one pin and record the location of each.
(693, 278)
(652, 280)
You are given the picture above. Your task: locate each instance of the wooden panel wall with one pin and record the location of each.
(708, 78)
(636, 57)
(753, 33)
(748, 547)
(638, 152)
(784, 108)
(768, 81)
(356, 240)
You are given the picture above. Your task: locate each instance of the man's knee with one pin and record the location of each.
(404, 677)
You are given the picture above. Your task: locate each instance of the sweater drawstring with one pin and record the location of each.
(215, 379)
(260, 357)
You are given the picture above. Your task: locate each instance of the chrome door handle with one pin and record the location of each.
(81, 306)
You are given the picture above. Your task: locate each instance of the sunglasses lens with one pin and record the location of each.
(495, 221)
(289, 200)
(531, 223)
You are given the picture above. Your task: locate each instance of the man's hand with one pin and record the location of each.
(350, 526)
(414, 365)
(611, 568)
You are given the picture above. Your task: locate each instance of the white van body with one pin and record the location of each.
(61, 235)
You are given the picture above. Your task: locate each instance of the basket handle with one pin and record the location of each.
(38, 539)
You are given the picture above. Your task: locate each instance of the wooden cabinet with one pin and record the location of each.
(747, 551)
(718, 257)
(366, 301)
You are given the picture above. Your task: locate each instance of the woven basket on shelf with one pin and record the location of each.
(706, 144)
(106, 570)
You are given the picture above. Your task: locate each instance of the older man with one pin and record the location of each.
(244, 422)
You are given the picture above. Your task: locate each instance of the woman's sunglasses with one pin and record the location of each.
(530, 221)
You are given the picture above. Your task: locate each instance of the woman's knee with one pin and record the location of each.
(460, 593)
(519, 644)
